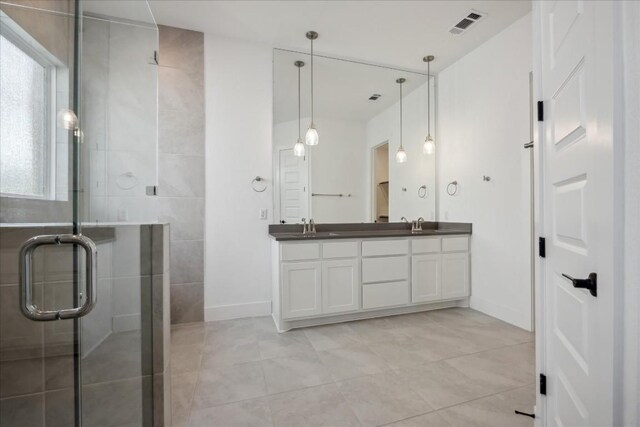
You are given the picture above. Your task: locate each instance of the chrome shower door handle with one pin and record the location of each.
(27, 306)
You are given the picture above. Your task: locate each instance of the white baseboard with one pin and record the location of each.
(506, 314)
(237, 311)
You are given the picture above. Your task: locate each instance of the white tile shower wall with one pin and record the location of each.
(119, 120)
(181, 166)
(239, 80)
(483, 111)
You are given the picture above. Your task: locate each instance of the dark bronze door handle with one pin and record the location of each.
(590, 283)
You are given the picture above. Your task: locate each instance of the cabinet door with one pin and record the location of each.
(425, 278)
(301, 289)
(340, 285)
(455, 275)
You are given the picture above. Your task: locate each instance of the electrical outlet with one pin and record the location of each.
(263, 213)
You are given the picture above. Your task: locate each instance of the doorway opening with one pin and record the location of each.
(381, 182)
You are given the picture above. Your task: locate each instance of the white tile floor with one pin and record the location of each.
(453, 367)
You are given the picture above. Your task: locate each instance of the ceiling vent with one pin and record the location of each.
(466, 22)
(374, 97)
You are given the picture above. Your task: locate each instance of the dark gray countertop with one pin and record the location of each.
(290, 232)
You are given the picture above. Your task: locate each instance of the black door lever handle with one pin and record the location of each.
(590, 283)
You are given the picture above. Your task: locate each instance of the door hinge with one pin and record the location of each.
(543, 384)
(542, 247)
(540, 111)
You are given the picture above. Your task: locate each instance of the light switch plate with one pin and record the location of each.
(263, 213)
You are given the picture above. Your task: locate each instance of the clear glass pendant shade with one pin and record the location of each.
(298, 148)
(401, 155)
(67, 119)
(429, 145)
(311, 138)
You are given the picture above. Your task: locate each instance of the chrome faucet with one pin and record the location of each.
(308, 228)
(417, 224)
(404, 219)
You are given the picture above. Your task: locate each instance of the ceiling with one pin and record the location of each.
(396, 33)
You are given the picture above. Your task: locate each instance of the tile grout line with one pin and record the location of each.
(264, 376)
(195, 386)
(335, 382)
(435, 411)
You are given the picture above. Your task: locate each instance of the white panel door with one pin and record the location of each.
(340, 285)
(301, 289)
(577, 89)
(455, 275)
(425, 278)
(294, 194)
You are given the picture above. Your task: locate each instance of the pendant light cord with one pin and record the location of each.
(401, 116)
(311, 81)
(429, 98)
(299, 125)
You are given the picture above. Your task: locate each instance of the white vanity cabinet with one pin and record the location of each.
(323, 281)
(426, 278)
(340, 285)
(301, 289)
(455, 275)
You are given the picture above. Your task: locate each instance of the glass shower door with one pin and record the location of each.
(47, 267)
(77, 313)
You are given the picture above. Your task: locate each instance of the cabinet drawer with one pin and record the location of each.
(455, 244)
(385, 269)
(424, 246)
(340, 250)
(299, 251)
(385, 294)
(385, 247)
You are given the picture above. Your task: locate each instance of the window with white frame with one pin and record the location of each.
(27, 119)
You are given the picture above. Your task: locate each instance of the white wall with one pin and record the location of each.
(418, 170)
(238, 86)
(483, 110)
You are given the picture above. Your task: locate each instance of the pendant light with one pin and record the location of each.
(298, 148)
(401, 155)
(429, 144)
(311, 138)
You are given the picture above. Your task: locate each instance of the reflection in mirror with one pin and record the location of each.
(351, 175)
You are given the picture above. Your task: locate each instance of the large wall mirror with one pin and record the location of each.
(352, 174)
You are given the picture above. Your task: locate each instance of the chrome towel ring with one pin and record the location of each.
(422, 192)
(260, 187)
(452, 188)
(126, 181)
